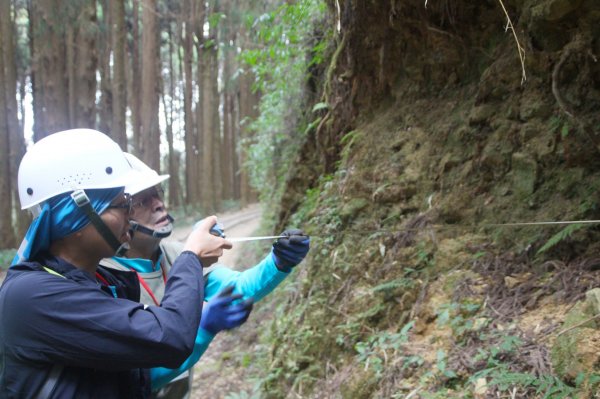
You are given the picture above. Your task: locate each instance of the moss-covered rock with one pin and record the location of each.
(353, 207)
(524, 175)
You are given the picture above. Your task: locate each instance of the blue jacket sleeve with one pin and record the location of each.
(73, 322)
(161, 376)
(256, 282)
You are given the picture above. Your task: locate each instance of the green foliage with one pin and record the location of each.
(320, 106)
(442, 364)
(402, 282)
(560, 236)
(500, 374)
(375, 352)
(6, 257)
(280, 67)
(348, 141)
(459, 317)
(255, 394)
(559, 124)
(548, 385)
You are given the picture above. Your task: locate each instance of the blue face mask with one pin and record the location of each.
(59, 217)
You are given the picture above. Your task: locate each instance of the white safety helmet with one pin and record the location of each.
(70, 160)
(146, 176)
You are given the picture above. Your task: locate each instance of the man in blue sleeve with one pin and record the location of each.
(67, 329)
(152, 258)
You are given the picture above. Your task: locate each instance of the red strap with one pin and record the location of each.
(164, 274)
(102, 279)
(147, 288)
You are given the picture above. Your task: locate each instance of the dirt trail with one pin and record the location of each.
(240, 223)
(221, 370)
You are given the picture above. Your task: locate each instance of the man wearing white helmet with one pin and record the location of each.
(152, 257)
(67, 328)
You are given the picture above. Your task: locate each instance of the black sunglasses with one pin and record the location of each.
(126, 204)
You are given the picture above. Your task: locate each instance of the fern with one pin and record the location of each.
(393, 284)
(550, 387)
(561, 235)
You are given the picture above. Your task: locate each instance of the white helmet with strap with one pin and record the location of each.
(146, 178)
(94, 161)
(73, 161)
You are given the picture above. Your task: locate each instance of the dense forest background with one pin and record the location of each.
(177, 83)
(422, 144)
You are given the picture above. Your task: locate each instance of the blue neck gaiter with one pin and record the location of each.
(60, 216)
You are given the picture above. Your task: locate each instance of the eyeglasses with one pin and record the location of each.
(125, 204)
(146, 198)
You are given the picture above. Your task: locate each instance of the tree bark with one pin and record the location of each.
(50, 85)
(227, 152)
(169, 116)
(86, 64)
(119, 93)
(208, 153)
(7, 236)
(215, 115)
(248, 111)
(200, 19)
(134, 93)
(16, 143)
(191, 151)
(104, 70)
(227, 149)
(149, 148)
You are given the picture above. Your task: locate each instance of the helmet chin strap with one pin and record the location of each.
(163, 232)
(83, 202)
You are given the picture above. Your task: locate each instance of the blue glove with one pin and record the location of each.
(221, 314)
(290, 251)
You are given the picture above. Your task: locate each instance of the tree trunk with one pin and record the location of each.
(86, 63)
(215, 115)
(119, 93)
(16, 144)
(248, 111)
(149, 148)
(202, 190)
(7, 236)
(135, 91)
(235, 139)
(169, 116)
(227, 149)
(191, 151)
(6, 227)
(104, 48)
(50, 85)
(208, 153)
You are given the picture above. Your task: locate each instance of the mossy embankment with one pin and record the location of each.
(430, 140)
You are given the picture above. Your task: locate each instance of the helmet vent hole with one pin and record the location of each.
(109, 170)
(29, 191)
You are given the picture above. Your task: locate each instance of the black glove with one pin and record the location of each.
(290, 251)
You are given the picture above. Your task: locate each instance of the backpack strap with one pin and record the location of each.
(51, 381)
